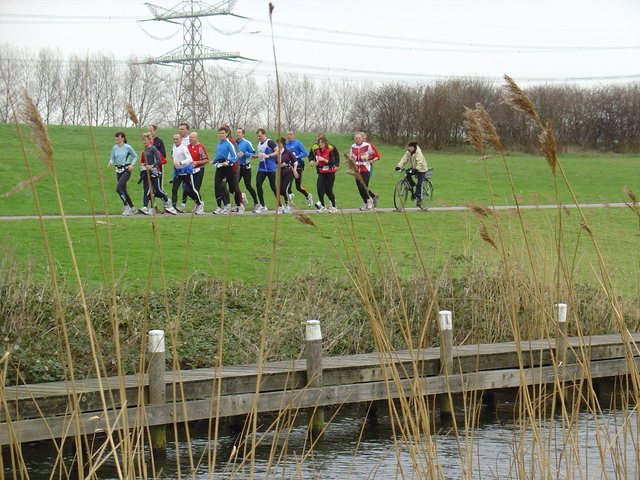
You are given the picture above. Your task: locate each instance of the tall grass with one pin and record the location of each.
(502, 293)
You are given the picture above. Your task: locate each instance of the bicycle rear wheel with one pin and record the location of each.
(427, 194)
(400, 195)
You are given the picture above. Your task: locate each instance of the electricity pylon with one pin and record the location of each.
(192, 103)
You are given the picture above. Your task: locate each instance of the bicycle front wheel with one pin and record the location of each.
(401, 195)
(427, 194)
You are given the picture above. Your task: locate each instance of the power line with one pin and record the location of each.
(435, 49)
(434, 42)
(386, 38)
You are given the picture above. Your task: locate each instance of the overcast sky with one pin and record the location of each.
(585, 41)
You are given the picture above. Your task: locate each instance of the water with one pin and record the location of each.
(359, 449)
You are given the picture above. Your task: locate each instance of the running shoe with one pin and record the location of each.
(125, 210)
(310, 200)
(321, 208)
(262, 209)
(374, 200)
(290, 197)
(169, 209)
(244, 199)
(256, 207)
(280, 209)
(226, 209)
(145, 210)
(333, 210)
(199, 209)
(287, 209)
(364, 206)
(217, 211)
(240, 209)
(180, 208)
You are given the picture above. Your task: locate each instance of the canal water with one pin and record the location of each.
(358, 448)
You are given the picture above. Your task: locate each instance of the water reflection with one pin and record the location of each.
(357, 448)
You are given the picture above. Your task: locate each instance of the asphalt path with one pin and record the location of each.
(248, 213)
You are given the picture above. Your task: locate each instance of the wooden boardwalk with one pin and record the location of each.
(52, 410)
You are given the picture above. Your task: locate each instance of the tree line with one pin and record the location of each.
(93, 89)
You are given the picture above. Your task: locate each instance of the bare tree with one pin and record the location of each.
(391, 103)
(239, 105)
(269, 104)
(291, 101)
(94, 89)
(147, 91)
(73, 109)
(344, 93)
(103, 99)
(14, 72)
(46, 84)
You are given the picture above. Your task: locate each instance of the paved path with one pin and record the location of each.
(345, 210)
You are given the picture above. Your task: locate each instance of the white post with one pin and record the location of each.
(446, 358)
(561, 334)
(314, 374)
(157, 389)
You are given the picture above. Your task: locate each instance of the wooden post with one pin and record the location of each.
(314, 374)
(446, 360)
(157, 390)
(561, 334)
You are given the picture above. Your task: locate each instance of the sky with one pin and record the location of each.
(544, 41)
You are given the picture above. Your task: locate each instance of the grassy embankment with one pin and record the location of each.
(595, 179)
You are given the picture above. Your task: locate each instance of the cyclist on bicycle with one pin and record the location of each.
(417, 167)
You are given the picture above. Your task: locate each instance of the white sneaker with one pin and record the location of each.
(280, 209)
(287, 209)
(321, 208)
(310, 200)
(132, 211)
(169, 209)
(244, 199)
(125, 210)
(363, 207)
(374, 200)
(181, 207)
(256, 206)
(240, 209)
(145, 210)
(217, 211)
(333, 210)
(199, 210)
(290, 197)
(226, 209)
(262, 209)
(370, 204)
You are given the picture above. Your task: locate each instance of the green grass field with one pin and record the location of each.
(457, 179)
(241, 247)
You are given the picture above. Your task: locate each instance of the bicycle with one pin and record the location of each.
(405, 191)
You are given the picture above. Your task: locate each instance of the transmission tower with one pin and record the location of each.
(192, 103)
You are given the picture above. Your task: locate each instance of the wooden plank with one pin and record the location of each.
(53, 398)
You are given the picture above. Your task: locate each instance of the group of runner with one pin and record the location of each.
(232, 160)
